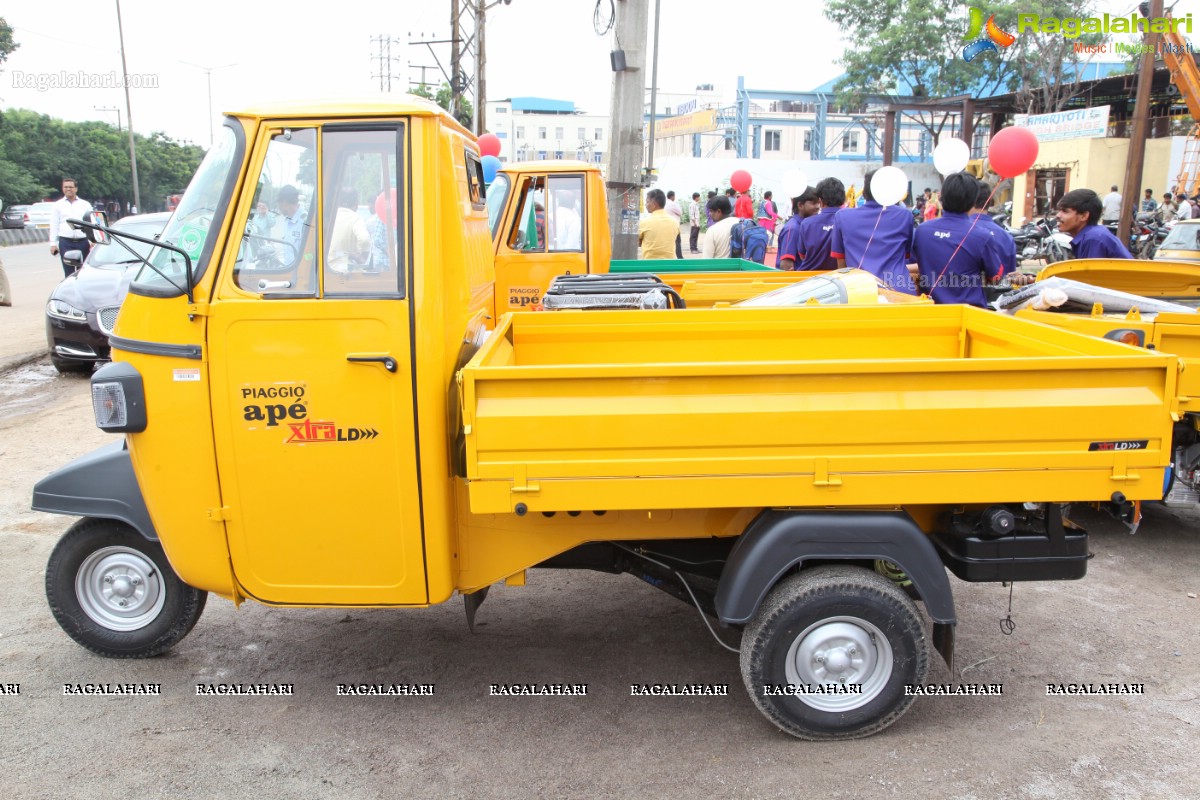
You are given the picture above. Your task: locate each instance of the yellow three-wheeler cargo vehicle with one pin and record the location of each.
(1176, 332)
(318, 410)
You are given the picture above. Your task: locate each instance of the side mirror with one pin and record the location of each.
(73, 258)
(88, 233)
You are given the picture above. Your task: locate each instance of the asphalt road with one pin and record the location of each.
(32, 273)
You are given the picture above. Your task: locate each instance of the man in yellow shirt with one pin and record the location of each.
(657, 232)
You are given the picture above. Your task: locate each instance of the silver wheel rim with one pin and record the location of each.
(839, 651)
(120, 589)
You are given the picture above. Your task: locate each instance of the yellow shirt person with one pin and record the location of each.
(657, 232)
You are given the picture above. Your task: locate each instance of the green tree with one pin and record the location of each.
(37, 151)
(1049, 70)
(7, 43)
(919, 44)
(911, 43)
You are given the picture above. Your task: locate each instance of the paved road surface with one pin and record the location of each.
(32, 273)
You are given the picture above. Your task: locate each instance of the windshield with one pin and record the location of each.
(112, 254)
(191, 226)
(1182, 237)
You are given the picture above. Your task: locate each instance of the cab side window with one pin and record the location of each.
(361, 213)
(565, 213)
(278, 248)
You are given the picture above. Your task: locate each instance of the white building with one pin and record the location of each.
(537, 129)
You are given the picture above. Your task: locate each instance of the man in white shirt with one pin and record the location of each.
(568, 227)
(64, 238)
(696, 218)
(675, 211)
(716, 238)
(1112, 207)
(350, 242)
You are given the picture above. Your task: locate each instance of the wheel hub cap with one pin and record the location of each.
(120, 588)
(840, 652)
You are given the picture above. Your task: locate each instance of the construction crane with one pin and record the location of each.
(1178, 57)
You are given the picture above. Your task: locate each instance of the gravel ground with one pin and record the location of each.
(1131, 620)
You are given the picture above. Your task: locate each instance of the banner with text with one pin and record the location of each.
(1082, 123)
(697, 122)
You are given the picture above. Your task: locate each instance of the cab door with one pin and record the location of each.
(542, 238)
(310, 341)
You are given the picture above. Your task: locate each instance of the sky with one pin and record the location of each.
(282, 51)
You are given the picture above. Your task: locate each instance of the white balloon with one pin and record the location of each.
(889, 185)
(794, 183)
(951, 155)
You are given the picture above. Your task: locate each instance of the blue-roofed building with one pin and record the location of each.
(540, 128)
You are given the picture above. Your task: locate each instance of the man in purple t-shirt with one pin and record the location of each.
(876, 239)
(1078, 212)
(955, 253)
(787, 254)
(816, 232)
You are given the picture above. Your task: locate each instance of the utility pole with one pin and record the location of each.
(111, 108)
(1137, 138)
(480, 76)
(653, 94)
(137, 193)
(625, 133)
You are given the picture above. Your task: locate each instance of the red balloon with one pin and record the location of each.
(384, 209)
(740, 181)
(1012, 151)
(489, 145)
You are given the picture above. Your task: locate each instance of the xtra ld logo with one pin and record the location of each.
(324, 431)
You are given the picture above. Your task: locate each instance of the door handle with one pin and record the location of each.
(388, 362)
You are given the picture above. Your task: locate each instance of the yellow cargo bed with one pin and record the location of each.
(816, 407)
(1177, 334)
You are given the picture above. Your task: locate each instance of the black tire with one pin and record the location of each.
(66, 367)
(835, 605)
(85, 599)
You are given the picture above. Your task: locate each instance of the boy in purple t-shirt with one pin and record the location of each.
(787, 255)
(876, 239)
(1078, 212)
(955, 253)
(816, 232)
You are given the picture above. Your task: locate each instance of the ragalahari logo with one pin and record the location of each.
(994, 37)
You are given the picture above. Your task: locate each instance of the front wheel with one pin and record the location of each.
(114, 592)
(830, 653)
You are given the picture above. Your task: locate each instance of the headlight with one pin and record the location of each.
(63, 310)
(108, 401)
(118, 399)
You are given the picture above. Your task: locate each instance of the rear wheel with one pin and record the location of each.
(114, 592)
(830, 652)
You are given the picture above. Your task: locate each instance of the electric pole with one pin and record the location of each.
(383, 56)
(137, 193)
(1137, 138)
(625, 133)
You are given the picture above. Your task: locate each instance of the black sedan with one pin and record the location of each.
(15, 217)
(83, 308)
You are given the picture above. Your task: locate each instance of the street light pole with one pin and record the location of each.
(208, 71)
(137, 194)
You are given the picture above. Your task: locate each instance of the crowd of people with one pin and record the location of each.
(945, 246)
